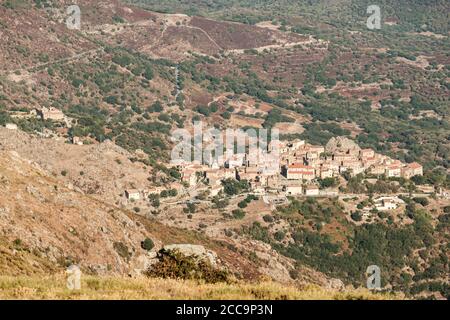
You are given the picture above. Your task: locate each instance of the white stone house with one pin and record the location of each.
(133, 194)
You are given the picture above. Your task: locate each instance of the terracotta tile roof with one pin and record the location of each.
(300, 166)
(414, 165)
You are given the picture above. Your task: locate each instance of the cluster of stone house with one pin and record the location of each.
(50, 114)
(43, 113)
(303, 161)
(300, 165)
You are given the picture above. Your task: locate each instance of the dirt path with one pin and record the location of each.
(62, 60)
(311, 40)
(207, 35)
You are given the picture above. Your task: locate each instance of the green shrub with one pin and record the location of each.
(174, 265)
(147, 244)
(238, 214)
(242, 204)
(421, 200)
(279, 235)
(356, 216)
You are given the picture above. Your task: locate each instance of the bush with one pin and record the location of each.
(147, 244)
(356, 216)
(279, 235)
(174, 265)
(234, 187)
(226, 115)
(242, 204)
(268, 218)
(421, 200)
(328, 183)
(382, 215)
(191, 208)
(155, 107)
(238, 214)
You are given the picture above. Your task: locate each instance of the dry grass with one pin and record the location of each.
(99, 288)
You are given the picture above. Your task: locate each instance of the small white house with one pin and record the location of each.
(312, 191)
(293, 190)
(388, 203)
(133, 194)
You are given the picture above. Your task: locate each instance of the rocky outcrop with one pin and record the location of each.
(60, 225)
(342, 145)
(335, 284)
(144, 262)
(191, 250)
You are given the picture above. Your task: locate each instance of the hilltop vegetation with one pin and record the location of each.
(416, 15)
(412, 257)
(98, 288)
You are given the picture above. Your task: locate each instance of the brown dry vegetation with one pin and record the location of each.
(99, 288)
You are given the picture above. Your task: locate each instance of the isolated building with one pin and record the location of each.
(312, 191)
(388, 203)
(50, 114)
(132, 194)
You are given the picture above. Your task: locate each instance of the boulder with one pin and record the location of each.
(342, 145)
(142, 263)
(198, 251)
(335, 284)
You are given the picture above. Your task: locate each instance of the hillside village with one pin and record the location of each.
(301, 166)
(299, 169)
(302, 169)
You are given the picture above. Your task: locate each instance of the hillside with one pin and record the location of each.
(49, 224)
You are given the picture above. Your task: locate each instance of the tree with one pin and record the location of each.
(226, 115)
(279, 235)
(328, 183)
(356, 216)
(238, 214)
(148, 73)
(147, 244)
(242, 204)
(234, 187)
(155, 107)
(422, 200)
